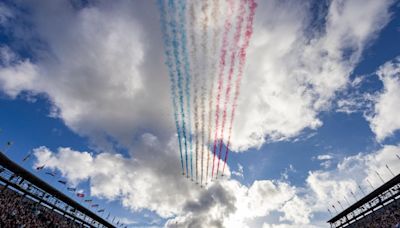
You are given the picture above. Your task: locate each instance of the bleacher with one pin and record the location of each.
(380, 208)
(27, 201)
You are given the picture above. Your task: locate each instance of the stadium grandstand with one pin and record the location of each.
(27, 201)
(380, 208)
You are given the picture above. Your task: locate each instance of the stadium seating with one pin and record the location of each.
(19, 211)
(388, 216)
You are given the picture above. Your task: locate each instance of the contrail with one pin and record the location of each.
(182, 18)
(242, 62)
(175, 45)
(204, 82)
(216, 33)
(234, 48)
(170, 66)
(195, 92)
(227, 28)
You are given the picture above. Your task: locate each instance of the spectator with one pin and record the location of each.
(386, 217)
(21, 212)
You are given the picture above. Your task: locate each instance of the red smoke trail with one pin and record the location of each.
(242, 62)
(227, 28)
(216, 33)
(234, 47)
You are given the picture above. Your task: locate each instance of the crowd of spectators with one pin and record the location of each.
(386, 217)
(19, 211)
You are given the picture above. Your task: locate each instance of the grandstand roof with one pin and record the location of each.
(20, 171)
(395, 180)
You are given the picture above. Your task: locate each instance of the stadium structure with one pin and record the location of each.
(27, 201)
(380, 208)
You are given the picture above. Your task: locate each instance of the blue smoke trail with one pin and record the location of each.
(169, 63)
(182, 18)
(175, 45)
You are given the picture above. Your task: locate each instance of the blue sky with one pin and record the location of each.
(90, 77)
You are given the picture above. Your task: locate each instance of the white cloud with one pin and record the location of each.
(168, 194)
(143, 182)
(97, 68)
(16, 75)
(324, 157)
(239, 172)
(326, 160)
(351, 173)
(101, 66)
(384, 120)
(223, 203)
(285, 173)
(292, 75)
(296, 210)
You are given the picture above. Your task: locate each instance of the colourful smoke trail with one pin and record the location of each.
(169, 63)
(182, 27)
(234, 47)
(216, 33)
(195, 73)
(175, 45)
(227, 28)
(204, 83)
(193, 67)
(242, 62)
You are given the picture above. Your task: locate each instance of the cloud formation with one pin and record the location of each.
(384, 120)
(295, 66)
(224, 203)
(101, 66)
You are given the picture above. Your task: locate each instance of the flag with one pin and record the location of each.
(27, 157)
(81, 195)
(102, 210)
(95, 205)
(71, 189)
(40, 167)
(108, 216)
(62, 182)
(88, 200)
(51, 174)
(9, 143)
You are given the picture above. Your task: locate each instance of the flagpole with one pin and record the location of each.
(390, 170)
(370, 185)
(335, 209)
(340, 205)
(352, 193)
(347, 201)
(379, 176)
(330, 211)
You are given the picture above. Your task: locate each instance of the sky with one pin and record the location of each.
(84, 89)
